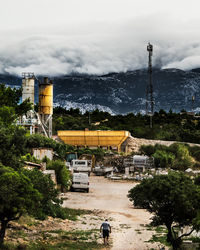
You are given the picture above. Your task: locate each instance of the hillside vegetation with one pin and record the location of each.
(166, 126)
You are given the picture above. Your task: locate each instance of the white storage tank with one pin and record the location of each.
(28, 84)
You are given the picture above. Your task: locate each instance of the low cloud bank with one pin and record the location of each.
(109, 49)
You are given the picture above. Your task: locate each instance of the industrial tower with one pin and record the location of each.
(28, 83)
(149, 89)
(45, 108)
(41, 121)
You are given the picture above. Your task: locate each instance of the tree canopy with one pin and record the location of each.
(17, 196)
(176, 156)
(166, 125)
(10, 97)
(174, 201)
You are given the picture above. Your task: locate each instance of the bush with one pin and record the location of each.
(63, 176)
(147, 150)
(163, 159)
(50, 204)
(36, 140)
(197, 180)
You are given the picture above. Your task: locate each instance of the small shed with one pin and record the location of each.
(40, 153)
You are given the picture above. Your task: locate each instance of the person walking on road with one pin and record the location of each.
(106, 230)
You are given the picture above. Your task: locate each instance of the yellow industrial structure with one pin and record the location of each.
(46, 97)
(45, 107)
(92, 139)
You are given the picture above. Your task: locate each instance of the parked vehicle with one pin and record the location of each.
(81, 166)
(142, 162)
(102, 170)
(80, 181)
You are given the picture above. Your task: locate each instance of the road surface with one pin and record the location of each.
(127, 223)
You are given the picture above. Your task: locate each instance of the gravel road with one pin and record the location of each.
(110, 197)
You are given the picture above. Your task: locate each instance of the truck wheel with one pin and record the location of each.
(87, 190)
(88, 173)
(71, 189)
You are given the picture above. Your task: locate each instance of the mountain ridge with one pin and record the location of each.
(125, 92)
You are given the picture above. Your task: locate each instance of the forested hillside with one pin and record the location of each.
(166, 125)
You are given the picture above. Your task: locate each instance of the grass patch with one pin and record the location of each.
(159, 238)
(161, 229)
(72, 214)
(149, 228)
(8, 246)
(70, 240)
(65, 245)
(20, 234)
(194, 239)
(124, 226)
(138, 231)
(28, 220)
(79, 240)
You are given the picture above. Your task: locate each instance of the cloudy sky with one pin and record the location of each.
(56, 37)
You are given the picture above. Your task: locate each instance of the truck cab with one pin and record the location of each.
(81, 166)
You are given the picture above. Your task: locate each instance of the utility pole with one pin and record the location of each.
(149, 89)
(193, 99)
(89, 117)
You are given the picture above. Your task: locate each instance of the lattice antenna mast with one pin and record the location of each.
(149, 90)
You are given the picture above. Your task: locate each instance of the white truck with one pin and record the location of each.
(80, 181)
(81, 166)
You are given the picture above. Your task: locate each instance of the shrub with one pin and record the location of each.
(62, 173)
(50, 204)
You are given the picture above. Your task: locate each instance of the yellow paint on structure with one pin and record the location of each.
(46, 99)
(93, 138)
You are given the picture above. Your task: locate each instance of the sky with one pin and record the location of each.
(59, 37)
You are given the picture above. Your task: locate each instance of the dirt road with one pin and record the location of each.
(111, 198)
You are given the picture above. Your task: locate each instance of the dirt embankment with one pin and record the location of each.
(133, 144)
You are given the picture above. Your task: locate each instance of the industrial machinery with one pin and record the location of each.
(28, 90)
(84, 138)
(142, 162)
(43, 119)
(45, 108)
(90, 158)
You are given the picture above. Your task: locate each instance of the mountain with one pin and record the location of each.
(125, 92)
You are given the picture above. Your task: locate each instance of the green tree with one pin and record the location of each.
(17, 196)
(10, 97)
(37, 140)
(12, 145)
(50, 204)
(183, 159)
(173, 199)
(147, 150)
(62, 173)
(163, 159)
(197, 180)
(7, 115)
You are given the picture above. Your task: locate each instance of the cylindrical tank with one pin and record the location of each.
(28, 83)
(46, 97)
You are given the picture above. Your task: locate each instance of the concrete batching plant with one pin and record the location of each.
(41, 121)
(45, 108)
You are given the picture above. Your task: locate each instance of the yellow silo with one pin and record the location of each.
(45, 108)
(46, 97)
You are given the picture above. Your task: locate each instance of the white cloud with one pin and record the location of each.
(97, 36)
